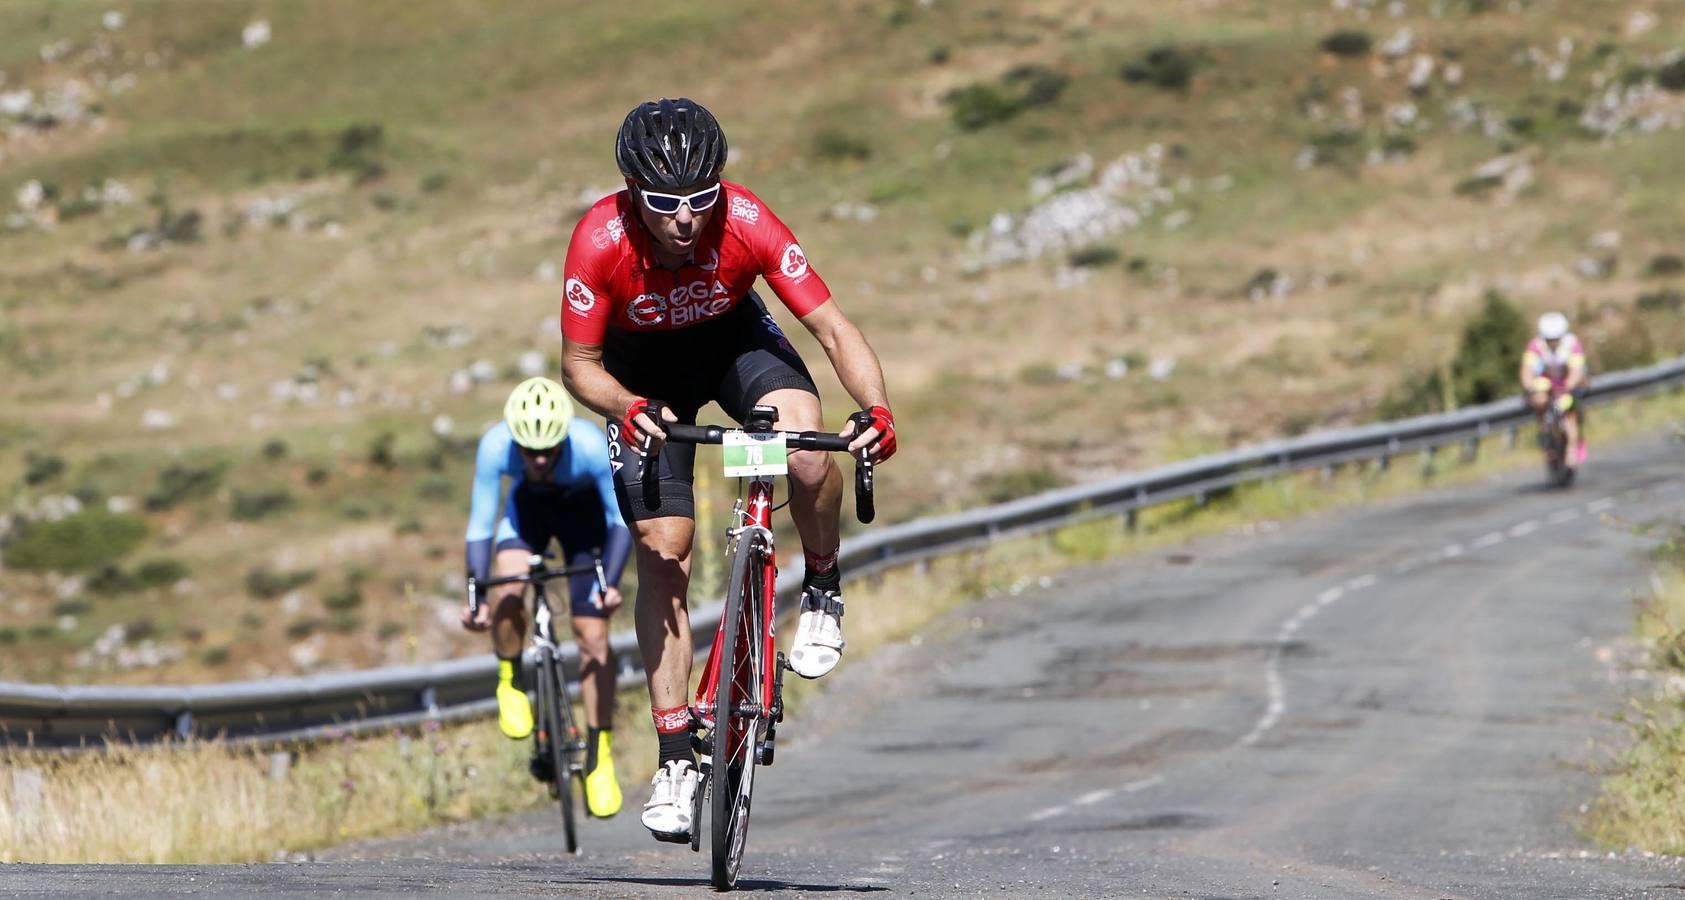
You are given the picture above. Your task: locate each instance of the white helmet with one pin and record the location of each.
(1552, 326)
(538, 413)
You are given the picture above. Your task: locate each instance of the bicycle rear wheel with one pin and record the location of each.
(737, 733)
(560, 737)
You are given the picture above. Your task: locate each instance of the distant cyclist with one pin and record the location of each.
(657, 306)
(561, 488)
(1554, 367)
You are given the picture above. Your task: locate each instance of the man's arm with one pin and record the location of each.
(590, 383)
(854, 360)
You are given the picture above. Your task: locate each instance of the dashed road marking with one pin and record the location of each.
(1600, 504)
(1048, 813)
(1452, 551)
(1489, 539)
(1563, 515)
(1524, 528)
(1092, 797)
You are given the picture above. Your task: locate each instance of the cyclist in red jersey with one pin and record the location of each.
(658, 305)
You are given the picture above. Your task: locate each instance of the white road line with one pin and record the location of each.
(1329, 596)
(1141, 784)
(1092, 797)
(1600, 504)
(1361, 582)
(1525, 528)
(1452, 551)
(1048, 813)
(1563, 515)
(1489, 539)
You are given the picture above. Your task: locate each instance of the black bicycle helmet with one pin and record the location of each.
(670, 144)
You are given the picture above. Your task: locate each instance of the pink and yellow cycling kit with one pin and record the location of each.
(1567, 362)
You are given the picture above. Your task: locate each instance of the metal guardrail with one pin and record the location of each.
(287, 709)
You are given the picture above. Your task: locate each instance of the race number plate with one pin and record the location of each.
(747, 455)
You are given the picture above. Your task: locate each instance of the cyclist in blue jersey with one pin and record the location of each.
(561, 487)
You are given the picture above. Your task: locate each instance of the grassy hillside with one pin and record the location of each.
(261, 287)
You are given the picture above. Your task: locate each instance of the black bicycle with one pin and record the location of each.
(1553, 440)
(559, 747)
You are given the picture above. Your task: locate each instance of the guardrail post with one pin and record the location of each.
(1427, 460)
(1511, 435)
(1132, 519)
(430, 699)
(280, 763)
(1383, 462)
(1471, 449)
(1326, 474)
(184, 724)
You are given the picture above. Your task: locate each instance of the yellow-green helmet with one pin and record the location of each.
(538, 413)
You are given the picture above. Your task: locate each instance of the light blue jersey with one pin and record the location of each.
(582, 460)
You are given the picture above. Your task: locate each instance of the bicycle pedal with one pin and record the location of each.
(764, 752)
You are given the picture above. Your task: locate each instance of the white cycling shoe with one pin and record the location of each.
(667, 814)
(819, 642)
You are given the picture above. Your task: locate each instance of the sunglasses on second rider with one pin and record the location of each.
(668, 204)
(545, 456)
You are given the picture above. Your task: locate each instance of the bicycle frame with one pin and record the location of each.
(753, 517)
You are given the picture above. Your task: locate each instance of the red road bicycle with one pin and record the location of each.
(738, 678)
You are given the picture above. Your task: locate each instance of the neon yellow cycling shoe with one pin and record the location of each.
(602, 789)
(514, 710)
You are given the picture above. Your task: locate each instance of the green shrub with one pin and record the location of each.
(179, 483)
(140, 629)
(80, 543)
(74, 607)
(1478, 185)
(436, 488)
(1663, 265)
(1166, 68)
(251, 506)
(357, 151)
(8, 635)
(214, 656)
(1348, 43)
(266, 584)
(160, 573)
(980, 105)
(302, 628)
(382, 454)
(1672, 76)
(835, 145)
(1661, 301)
(1094, 255)
(41, 469)
(434, 183)
(274, 449)
(111, 579)
(1482, 371)
(345, 622)
(1037, 85)
(389, 630)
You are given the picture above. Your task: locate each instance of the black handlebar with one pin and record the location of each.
(681, 433)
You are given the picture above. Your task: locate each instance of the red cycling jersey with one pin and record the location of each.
(614, 280)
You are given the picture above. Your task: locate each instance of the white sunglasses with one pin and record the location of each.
(668, 204)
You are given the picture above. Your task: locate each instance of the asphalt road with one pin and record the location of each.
(1401, 700)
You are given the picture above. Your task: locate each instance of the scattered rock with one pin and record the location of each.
(442, 425)
(255, 34)
(157, 420)
(1161, 368)
(532, 363)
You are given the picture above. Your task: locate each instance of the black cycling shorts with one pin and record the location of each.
(574, 517)
(734, 361)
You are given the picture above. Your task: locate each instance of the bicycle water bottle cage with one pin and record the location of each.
(761, 419)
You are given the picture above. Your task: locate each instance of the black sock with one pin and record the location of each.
(830, 582)
(676, 745)
(591, 742)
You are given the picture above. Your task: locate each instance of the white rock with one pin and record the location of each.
(1178, 220)
(159, 373)
(1399, 45)
(442, 425)
(1641, 22)
(228, 392)
(67, 623)
(120, 505)
(1421, 72)
(1117, 368)
(461, 382)
(255, 34)
(1070, 371)
(1161, 368)
(546, 272)
(32, 193)
(112, 20)
(1605, 240)
(532, 363)
(157, 420)
(482, 370)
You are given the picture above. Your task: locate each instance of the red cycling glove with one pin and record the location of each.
(629, 429)
(884, 422)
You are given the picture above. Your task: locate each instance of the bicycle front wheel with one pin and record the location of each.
(740, 716)
(562, 738)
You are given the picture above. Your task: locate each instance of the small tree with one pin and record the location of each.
(1489, 355)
